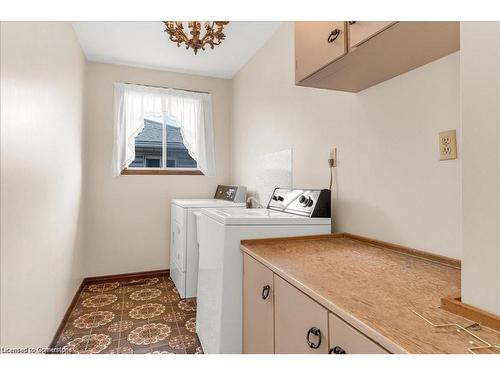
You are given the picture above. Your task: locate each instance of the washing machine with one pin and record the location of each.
(219, 303)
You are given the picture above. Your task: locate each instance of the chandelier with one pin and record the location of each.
(213, 33)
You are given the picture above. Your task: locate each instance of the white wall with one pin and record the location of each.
(390, 184)
(128, 217)
(42, 82)
(480, 80)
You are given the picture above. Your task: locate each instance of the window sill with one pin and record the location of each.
(161, 171)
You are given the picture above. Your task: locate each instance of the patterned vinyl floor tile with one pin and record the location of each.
(131, 317)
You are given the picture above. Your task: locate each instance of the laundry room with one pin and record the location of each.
(284, 185)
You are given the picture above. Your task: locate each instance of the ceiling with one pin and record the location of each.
(144, 44)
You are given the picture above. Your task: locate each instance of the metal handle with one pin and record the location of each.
(265, 291)
(334, 35)
(337, 350)
(316, 332)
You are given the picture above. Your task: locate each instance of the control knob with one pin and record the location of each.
(306, 201)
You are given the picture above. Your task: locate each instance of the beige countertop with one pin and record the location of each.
(376, 289)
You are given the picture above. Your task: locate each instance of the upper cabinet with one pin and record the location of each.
(361, 31)
(352, 56)
(317, 44)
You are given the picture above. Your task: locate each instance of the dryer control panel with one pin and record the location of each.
(303, 202)
(232, 193)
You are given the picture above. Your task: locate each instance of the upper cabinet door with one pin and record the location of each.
(258, 311)
(317, 44)
(361, 31)
(300, 324)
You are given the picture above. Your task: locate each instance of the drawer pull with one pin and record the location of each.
(265, 291)
(315, 332)
(333, 35)
(337, 350)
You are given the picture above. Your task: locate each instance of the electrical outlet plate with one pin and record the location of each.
(333, 157)
(448, 145)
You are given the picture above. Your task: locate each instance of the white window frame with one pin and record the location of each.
(163, 158)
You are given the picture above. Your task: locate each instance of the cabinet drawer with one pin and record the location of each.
(297, 318)
(258, 314)
(316, 46)
(350, 340)
(361, 31)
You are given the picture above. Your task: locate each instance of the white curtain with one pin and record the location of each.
(192, 111)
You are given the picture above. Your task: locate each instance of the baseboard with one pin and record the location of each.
(126, 276)
(66, 315)
(97, 279)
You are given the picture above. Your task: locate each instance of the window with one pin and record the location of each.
(160, 144)
(146, 141)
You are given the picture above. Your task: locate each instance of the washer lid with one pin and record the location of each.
(260, 216)
(200, 203)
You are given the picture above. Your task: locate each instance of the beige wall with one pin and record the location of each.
(128, 217)
(480, 92)
(389, 183)
(42, 82)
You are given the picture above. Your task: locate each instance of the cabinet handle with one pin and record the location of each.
(333, 35)
(352, 22)
(316, 332)
(337, 350)
(265, 291)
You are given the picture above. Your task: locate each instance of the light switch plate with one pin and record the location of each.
(448, 145)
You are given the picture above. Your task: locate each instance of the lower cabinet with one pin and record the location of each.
(279, 318)
(300, 324)
(258, 309)
(345, 339)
